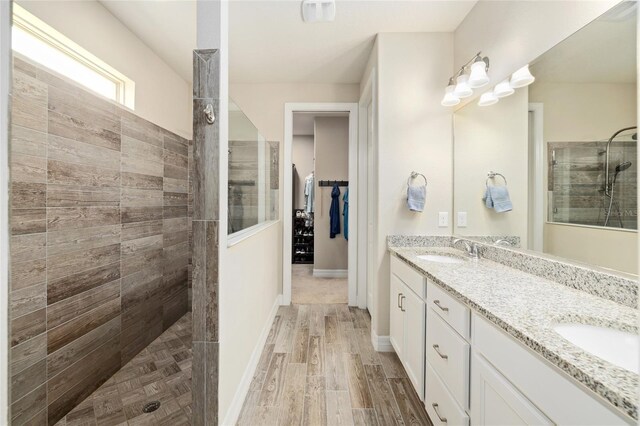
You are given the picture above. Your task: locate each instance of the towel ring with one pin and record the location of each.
(415, 175)
(492, 175)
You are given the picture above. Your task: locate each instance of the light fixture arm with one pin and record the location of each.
(476, 58)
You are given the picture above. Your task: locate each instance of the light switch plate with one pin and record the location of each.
(443, 219)
(462, 219)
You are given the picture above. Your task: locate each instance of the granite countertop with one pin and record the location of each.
(527, 307)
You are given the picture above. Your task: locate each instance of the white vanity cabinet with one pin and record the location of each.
(407, 321)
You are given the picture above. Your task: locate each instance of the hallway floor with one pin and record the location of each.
(319, 368)
(307, 289)
(161, 372)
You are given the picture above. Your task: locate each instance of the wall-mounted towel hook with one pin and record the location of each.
(414, 175)
(492, 175)
(208, 113)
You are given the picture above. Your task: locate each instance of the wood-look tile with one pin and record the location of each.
(66, 333)
(71, 307)
(28, 299)
(141, 157)
(293, 396)
(28, 247)
(135, 230)
(367, 353)
(29, 102)
(82, 196)
(62, 173)
(274, 380)
(316, 320)
(28, 195)
(359, 317)
(28, 326)
(141, 181)
(140, 214)
(28, 142)
(173, 159)
(68, 293)
(338, 408)
(409, 404)
(206, 164)
(27, 168)
(28, 353)
(175, 211)
(142, 130)
(38, 420)
(335, 367)
(71, 151)
(27, 274)
(82, 106)
(284, 339)
(176, 144)
(331, 329)
(205, 280)
(74, 240)
(316, 356)
(28, 221)
(246, 414)
(81, 347)
(28, 379)
(175, 199)
(134, 197)
(84, 130)
(300, 345)
(62, 218)
(262, 368)
(267, 416)
(206, 73)
(382, 396)
(357, 382)
(364, 417)
(62, 265)
(315, 404)
(391, 364)
(29, 406)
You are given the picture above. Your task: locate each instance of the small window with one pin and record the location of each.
(39, 42)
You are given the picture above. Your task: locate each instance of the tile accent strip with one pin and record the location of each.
(99, 240)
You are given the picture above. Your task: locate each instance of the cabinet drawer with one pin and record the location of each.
(448, 354)
(408, 275)
(440, 405)
(456, 314)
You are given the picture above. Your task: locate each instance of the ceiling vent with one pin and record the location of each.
(318, 10)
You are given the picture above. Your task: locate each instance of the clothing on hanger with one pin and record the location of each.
(309, 193)
(334, 212)
(345, 213)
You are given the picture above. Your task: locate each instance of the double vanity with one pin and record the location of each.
(509, 337)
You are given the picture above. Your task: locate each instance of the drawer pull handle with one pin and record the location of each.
(437, 303)
(437, 349)
(435, 407)
(399, 296)
(402, 303)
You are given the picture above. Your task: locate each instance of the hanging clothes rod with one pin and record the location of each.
(333, 182)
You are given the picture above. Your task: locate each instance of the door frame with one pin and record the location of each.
(352, 109)
(538, 170)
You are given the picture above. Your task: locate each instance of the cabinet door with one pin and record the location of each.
(396, 316)
(495, 401)
(414, 339)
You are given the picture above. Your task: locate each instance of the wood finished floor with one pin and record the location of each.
(319, 368)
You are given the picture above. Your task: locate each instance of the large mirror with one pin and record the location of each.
(565, 147)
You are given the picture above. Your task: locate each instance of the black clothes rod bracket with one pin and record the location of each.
(333, 182)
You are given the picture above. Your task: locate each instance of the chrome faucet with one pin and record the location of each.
(472, 249)
(502, 242)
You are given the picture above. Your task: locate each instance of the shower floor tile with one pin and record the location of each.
(161, 372)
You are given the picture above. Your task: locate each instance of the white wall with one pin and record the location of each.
(302, 155)
(332, 163)
(161, 97)
(414, 133)
(492, 138)
(514, 33)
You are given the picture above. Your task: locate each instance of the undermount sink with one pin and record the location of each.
(440, 258)
(617, 347)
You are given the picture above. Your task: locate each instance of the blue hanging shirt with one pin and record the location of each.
(334, 212)
(345, 213)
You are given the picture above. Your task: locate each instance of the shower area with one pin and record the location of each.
(594, 183)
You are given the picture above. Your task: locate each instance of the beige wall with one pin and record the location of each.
(587, 112)
(492, 138)
(302, 156)
(414, 133)
(514, 33)
(332, 163)
(161, 97)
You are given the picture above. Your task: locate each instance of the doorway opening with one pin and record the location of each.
(320, 189)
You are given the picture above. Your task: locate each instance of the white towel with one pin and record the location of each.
(416, 196)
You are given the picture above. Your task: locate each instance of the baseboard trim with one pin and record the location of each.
(235, 408)
(330, 273)
(381, 343)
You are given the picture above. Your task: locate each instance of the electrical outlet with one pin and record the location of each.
(443, 219)
(462, 219)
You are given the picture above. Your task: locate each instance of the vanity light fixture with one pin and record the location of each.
(464, 84)
(503, 89)
(478, 76)
(318, 10)
(449, 98)
(522, 77)
(488, 98)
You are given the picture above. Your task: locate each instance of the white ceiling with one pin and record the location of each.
(602, 52)
(303, 122)
(269, 42)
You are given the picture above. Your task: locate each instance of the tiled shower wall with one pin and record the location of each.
(100, 240)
